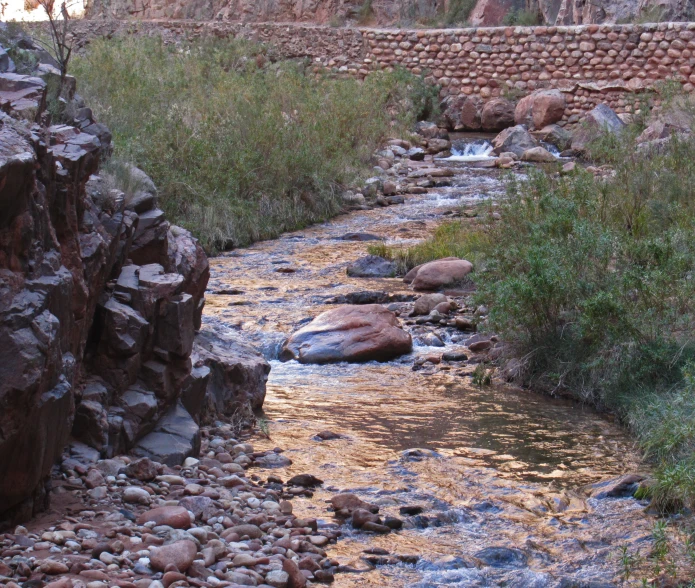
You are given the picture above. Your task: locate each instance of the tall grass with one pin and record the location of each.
(453, 239)
(240, 149)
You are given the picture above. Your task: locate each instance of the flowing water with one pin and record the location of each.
(498, 467)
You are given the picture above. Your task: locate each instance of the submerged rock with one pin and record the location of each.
(349, 333)
(503, 557)
(372, 266)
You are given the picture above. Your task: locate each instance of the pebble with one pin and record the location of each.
(136, 495)
(180, 554)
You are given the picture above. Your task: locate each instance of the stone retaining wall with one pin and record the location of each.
(591, 64)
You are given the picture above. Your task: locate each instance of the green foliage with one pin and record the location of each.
(453, 239)
(628, 561)
(366, 12)
(459, 11)
(593, 281)
(241, 150)
(482, 376)
(522, 18)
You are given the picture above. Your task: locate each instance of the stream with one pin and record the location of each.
(498, 470)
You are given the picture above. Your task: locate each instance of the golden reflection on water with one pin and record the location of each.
(505, 458)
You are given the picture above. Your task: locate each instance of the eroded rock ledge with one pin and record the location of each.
(100, 301)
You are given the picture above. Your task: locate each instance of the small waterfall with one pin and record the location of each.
(550, 148)
(477, 150)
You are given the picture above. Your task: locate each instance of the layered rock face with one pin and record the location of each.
(100, 301)
(389, 12)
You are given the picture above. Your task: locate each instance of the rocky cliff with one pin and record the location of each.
(396, 12)
(100, 301)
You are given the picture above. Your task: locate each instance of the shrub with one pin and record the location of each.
(459, 11)
(453, 239)
(241, 150)
(522, 18)
(592, 281)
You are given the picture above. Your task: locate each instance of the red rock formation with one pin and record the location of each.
(91, 344)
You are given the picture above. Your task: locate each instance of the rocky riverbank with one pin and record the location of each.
(127, 405)
(100, 301)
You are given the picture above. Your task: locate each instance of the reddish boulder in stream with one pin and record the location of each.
(349, 333)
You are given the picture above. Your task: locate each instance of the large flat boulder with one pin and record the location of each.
(349, 333)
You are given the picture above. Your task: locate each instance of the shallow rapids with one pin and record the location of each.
(498, 467)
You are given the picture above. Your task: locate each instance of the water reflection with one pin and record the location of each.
(509, 464)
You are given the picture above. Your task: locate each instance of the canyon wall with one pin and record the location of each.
(100, 302)
(371, 12)
(593, 64)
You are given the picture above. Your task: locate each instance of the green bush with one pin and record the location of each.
(593, 281)
(453, 239)
(459, 11)
(241, 150)
(523, 18)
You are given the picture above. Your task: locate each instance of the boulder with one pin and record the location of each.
(462, 113)
(136, 495)
(441, 273)
(176, 517)
(349, 333)
(410, 276)
(430, 130)
(202, 507)
(538, 155)
(372, 266)
(305, 480)
(273, 460)
(143, 469)
(348, 502)
(362, 516)
(427, 303)
(540, 108)
(176, 436)
(599, 121)
(497, 115)
(237, 373)
(515, 140)
(555, 135)
(435, 146)
(296, 579)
